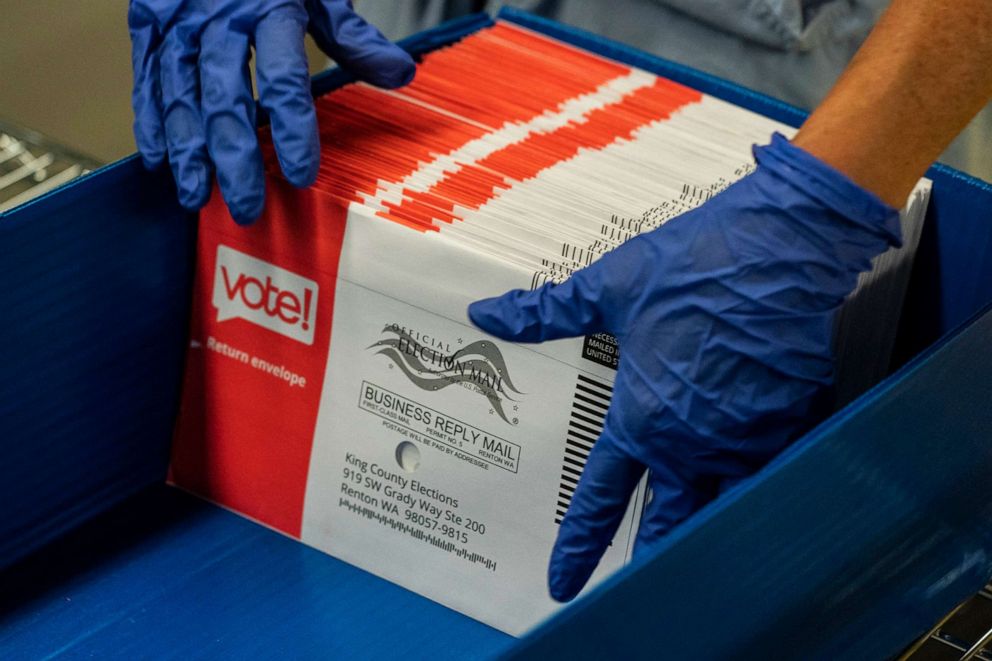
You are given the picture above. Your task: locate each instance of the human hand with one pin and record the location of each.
(192, 94)
(724, 317)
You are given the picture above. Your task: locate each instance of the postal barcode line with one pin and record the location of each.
(577, 472)
(590, 401)
(594, 393)
(582, 437)
(586, 420)
(584, 429)
(603, 387)
(576, 462)
(585, 409)
(581, 453)
(575, 441)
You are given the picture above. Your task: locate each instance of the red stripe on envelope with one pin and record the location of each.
(475, 184)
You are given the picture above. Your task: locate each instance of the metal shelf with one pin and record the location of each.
(31, 165)
(963, 634)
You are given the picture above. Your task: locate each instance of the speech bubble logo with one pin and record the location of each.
(252, 289)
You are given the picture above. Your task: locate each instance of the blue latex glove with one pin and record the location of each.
(724, 317)
(192, 89)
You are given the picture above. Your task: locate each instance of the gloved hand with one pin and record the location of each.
(192, 93)
(724, 317)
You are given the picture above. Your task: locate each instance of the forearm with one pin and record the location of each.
(919, 78)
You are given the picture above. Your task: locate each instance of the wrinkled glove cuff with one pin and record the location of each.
(830, 187)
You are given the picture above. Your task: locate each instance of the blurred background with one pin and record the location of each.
(65, 71)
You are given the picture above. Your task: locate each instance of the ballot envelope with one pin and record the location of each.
(335, 389)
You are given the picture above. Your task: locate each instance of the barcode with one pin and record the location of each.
(585, 424)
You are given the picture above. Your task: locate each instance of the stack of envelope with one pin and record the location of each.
(335, 389)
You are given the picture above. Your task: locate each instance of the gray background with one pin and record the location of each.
(65, 72)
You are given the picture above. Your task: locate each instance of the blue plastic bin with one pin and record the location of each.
(849, 545)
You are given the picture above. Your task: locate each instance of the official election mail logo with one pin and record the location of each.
(431, 365)
(249, 288)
